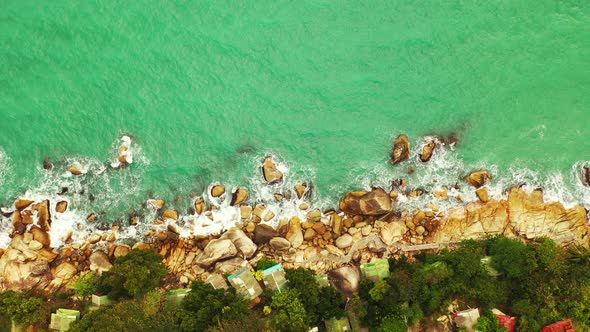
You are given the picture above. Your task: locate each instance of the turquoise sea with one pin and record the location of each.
(206, 89)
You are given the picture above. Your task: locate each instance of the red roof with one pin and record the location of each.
(507, 321)
(563, 326)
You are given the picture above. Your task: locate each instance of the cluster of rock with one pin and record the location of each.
(367, 227)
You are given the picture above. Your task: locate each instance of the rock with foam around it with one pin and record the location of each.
(479, 178)
(427, 151)
(400, 150)
(375, 202)
(239, 196)
(270, 171)
(217, 190)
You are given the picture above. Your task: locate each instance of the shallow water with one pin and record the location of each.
(207, 89)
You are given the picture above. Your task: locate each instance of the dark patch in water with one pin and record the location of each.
(246, 149)
(63, 191)
(47, 164)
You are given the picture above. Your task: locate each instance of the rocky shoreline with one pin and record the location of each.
(368, 225)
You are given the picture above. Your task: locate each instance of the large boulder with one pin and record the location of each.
(43, 215)
(270, 171)
(346, 279)
(280, 244)
(478, 178)
(230, 266)
(375, 202)
(400, 150)
(393, 232)
(61, 206)
(217, 250)
(427, 151)
(344, 241)
(241, 241)
(294, 234)
(217, 190)
(263, 233)
(99, 262)
(586, 176)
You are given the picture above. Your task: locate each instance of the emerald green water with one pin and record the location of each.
(206, 89)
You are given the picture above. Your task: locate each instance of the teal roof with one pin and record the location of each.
(272, 269)
(237, 273)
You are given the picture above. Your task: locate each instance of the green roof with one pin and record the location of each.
(245, 283)
(274, 278)
(376, 270)
(176, 295)
(62, 319)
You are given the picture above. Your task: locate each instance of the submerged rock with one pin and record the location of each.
(427, 151)
(270, 171)
(400, 150)
(375, 202)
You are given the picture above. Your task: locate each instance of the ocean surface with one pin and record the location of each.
(206, 89)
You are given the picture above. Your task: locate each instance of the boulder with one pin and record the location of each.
(170, 214)
(427, 151)
(586, 176)
(217, 250)
(99, 262)
(61, 206)
(75, 169)
(400, 150)
(200, 205)
(239, 196)
(346, 279)
(245, 211)
(301, 190)
(375, 202)
(344, 241)
(482, 194)
(65, 271)
(43, 215)
(91, 217)
(479, 178)
(280, 244)
(294, 234)
(35, 245)
(230, 266)
(21, 204)
(121, 250)
(39, 267)
(156, 204)
(310, 233)
(217, 190)
(393, 232)
(241, 241)
(270, 171)
(263, 233)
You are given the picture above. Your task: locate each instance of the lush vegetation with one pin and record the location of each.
(538, 282)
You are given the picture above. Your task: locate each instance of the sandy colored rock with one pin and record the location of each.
(156, 204)
(217, 190)
(392, 232)
(300, 189)
(65, 271)
(303, 206)
(279, 244)
(61, 206)
(245, 211)
(217, 250)
(239, 196)
(200, 205)
(263, 233)
(294, 234)
(94, 238)
(21, 204)
(314, 215)
(91, 217)
(427, 151)
(35, 245)
(170, 214)
(482, 194)
(343, 241)
(400, 150)
(121, 250)
(241, 241)
(75, 169)
(479, 178)
(310, 233)
(375, 202)
(99, 262)
(346, 279)
(230, 266)
(43, 215)
(270, 171)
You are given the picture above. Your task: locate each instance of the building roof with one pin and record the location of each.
(245, 283)
(562, 326)
(176, 295)
(62, 319)
(275, 278)
(466, 318)
(376, 270)
(217, 281)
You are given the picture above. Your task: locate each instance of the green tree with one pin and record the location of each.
(290, 315)
(133, 275)
(86, 285)
(392, 324)
(23, 309)
(509, 257)
(331, 304)
(205, 306)
(488, 322)
(308, 290)
(264, 263)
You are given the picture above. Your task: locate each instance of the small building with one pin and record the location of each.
(466, 318)
(100, 300)
(487, 264)
(245, 283)
(376, 270)
(322, 280)
(62, 318)
(176, 295)
(217, 281)
(505, 320)
(275, 278)
(562, 326)
(337, 325)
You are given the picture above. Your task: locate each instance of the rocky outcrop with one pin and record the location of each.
(427, 151)
(270, 171)
(479, 178)
(99, 262)
(217, 250)
(400, 150)
(243, 244)
(375, 202)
